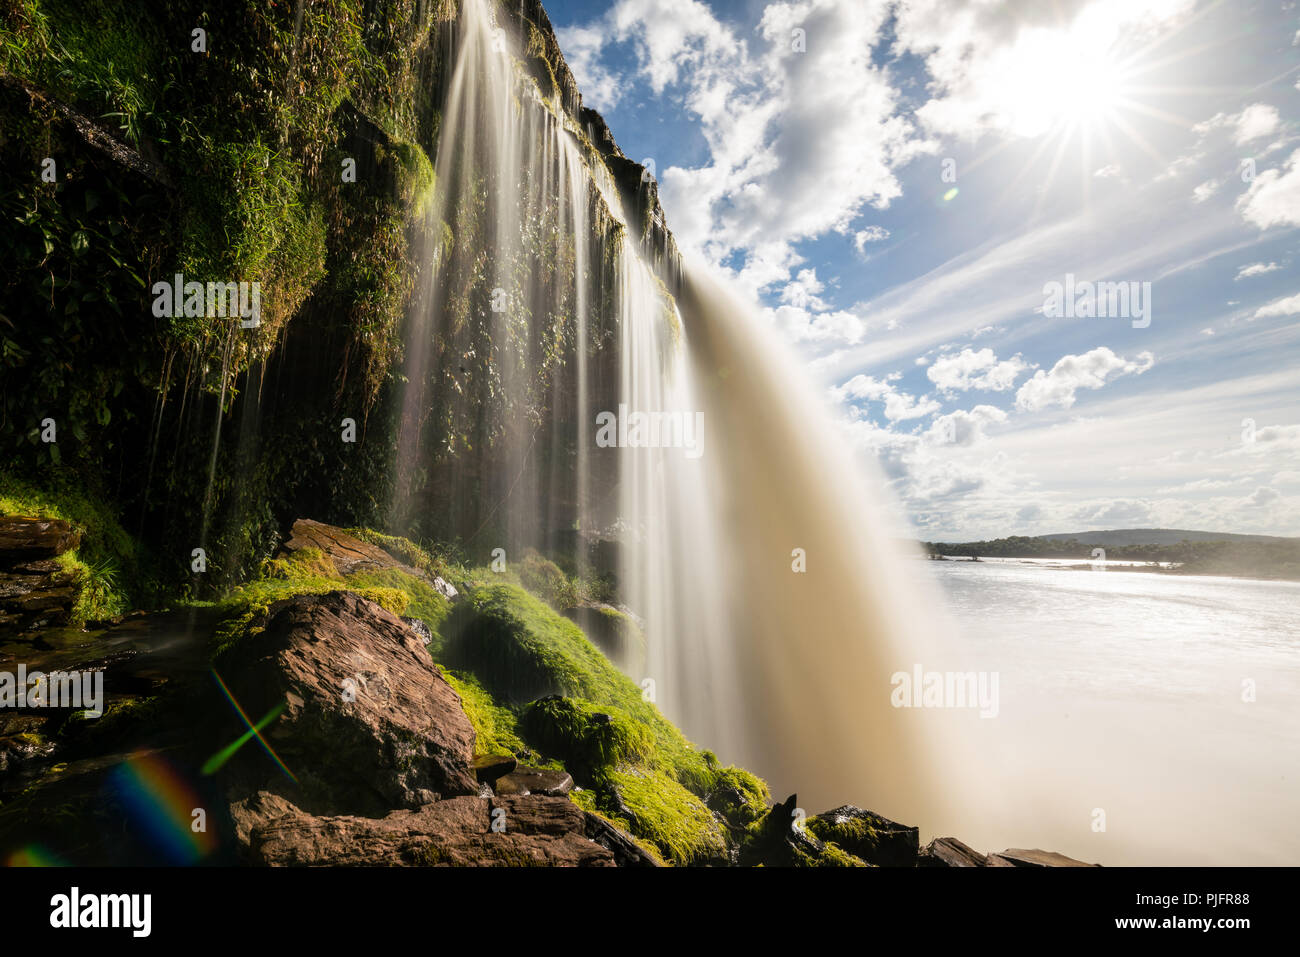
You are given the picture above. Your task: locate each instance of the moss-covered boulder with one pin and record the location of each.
(542, 683)
(875, 839)
(781, 838)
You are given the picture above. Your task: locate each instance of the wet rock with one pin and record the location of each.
(32, 539)
(489, 767)
(875, 839)
(461, 831)
(35, 590)
(535, 781)
(369, 722)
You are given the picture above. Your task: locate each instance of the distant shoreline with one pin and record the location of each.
(1125, 565)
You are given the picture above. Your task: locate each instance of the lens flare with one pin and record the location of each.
(161, 804)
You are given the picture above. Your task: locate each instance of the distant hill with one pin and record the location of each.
(1195, 553)
(1155, 536)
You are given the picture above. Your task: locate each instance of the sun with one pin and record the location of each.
(1054, 81)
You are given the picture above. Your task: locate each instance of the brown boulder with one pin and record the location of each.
(369, 722)
(462, 831)
(32, 539)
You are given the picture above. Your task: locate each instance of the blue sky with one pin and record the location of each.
(1123, 141)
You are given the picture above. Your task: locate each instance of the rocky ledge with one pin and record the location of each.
(35, 589)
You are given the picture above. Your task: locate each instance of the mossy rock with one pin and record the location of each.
(588, 739)
(522, 650)
(781, 838)
(865, 834)
(656, 808)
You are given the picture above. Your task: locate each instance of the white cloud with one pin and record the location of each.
(1252, 123)
(1121, 512)
(872, 234)
(1207, 189)
(1281, 307)
(899, 406)
(962, 427)
(1256, 120)
(582, 46)
(969, 369)
(799, 143)
(1088, 371)
(1274, 197)
(1256, 269)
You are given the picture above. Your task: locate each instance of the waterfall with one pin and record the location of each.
(786, 672)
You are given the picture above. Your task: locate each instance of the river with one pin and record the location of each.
(1169, 704)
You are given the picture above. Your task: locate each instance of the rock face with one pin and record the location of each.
(350, 554)
(369, 723)
(489, 767)
(35, 590)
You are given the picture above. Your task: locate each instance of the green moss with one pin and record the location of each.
(669, 816)
(405, 550)
(831, 855)
(738, 795)
(422, 600)
(588, 739)
(520, 649)
(495, 727)
(615, 743)
(243, 609)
